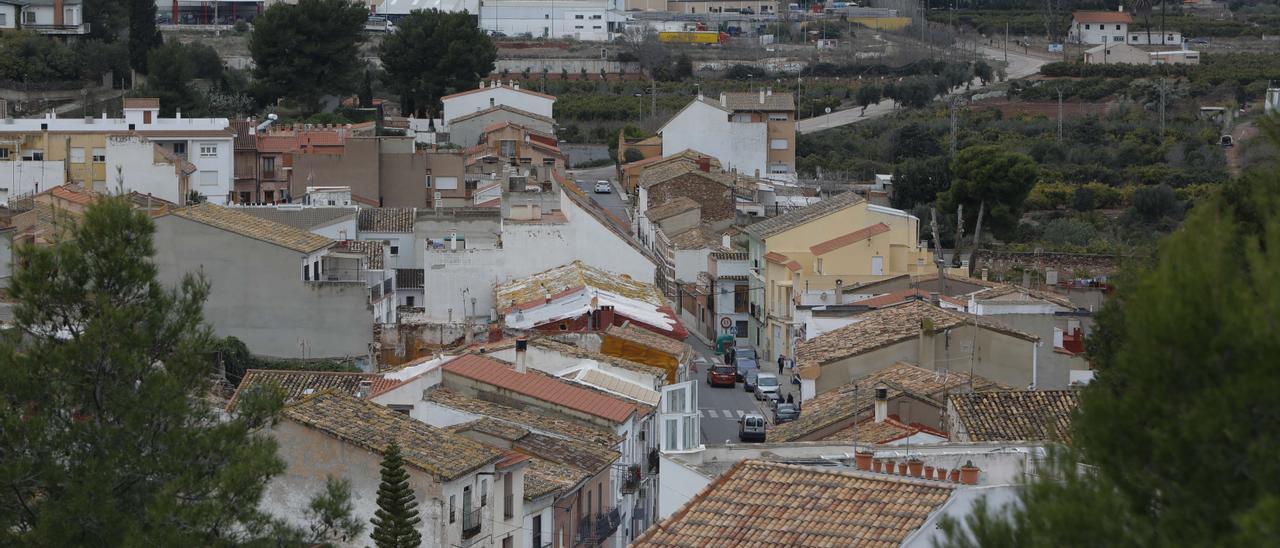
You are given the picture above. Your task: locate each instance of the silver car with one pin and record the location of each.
(766, 386)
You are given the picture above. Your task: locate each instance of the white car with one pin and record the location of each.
(603, 187)
(767, 386)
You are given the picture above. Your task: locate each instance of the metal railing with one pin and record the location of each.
(508, 506)
(630, 480)
(471, 523)
(82, 28)
(593, 530)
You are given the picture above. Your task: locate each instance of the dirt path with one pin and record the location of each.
(1242, 132)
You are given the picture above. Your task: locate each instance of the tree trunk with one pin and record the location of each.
(977, 235)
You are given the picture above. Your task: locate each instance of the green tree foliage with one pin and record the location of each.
(396, 520)
(106, 18)
(366, 89)
(143, 34)
(29, 57)
(435, 53)
(1179, 424)
(918, 181)
(107, 436)
(171, 70)
(683, 69)
(867, 95)
(632, 155)
(306, 51)
(915, 140)
(983, 71)
(992, 176)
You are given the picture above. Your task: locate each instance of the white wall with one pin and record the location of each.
(21, 177)
(8, 18)
(341, 229)
(552, 362)
(493, 96)
(539, 508)
(553, 19)
(677, 485)
(740, 146)
(135, 158)
(405, 247)
(1100, 33)
(689, 262)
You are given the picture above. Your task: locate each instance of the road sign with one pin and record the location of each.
(726, 322)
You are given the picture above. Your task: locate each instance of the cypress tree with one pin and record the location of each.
(395, 522)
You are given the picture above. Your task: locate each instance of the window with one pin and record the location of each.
(506, 542)
(597, 27)
(401, 408)
(268, 163)
(588, 510)
(1086, 27)
(818, 267)
(33, 156)
(4, 154)
(452, 507)
(208, 178)
(778, 117)
(471, 185)
(77, 155)
(4, 19)
(28, 17)
(740, 299)
(536, 535)
(208, 151)
(741, 329)
(428, 181)
(579, 27)
(446, 183)
(408, 301)
(507, 147)
(395, 251)
(577, 17)
(779, 168)
(99, 155)
(742, 117)
(1117, 38)
(180, 149)
(778, 144)
(306, 273)
(1117, 27)
(597, 16)
(484, 492)
(564, 326)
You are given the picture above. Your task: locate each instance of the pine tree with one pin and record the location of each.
(106, 435)
(395, 523)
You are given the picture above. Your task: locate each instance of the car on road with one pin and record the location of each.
(751, 427)
(749, 381)
(785, 412)
(721, 375)
(744, 366)
(603, 187)
(766, 386)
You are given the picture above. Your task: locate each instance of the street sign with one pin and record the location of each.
(726, 322)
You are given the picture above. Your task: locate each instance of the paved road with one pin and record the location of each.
(613, 201)
(1020, 66)
(722, 407)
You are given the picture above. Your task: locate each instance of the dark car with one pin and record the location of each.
(744, 366)
(749, 380)
(722, 375)
(751, 427)
(785, 412)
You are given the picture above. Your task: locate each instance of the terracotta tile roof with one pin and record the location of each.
(579, 352)
(300, 384)
(523, 417)
(686, 154)
(532, 290)
(775, 257)
(644, 337)
(244, 140)
(410, 278)
(543, 388)
(371, 426)
(370, 248)
(544, 477)
(750, 100)
(698, 237)
(567, 451)
(671, 208)
(385, 219)
(870, 431)
(848, 239)
(797, 217)
(508, 88)
(793, 266)
(847, 402)
(503, 108)
(887, 326)
(616, 385)
(304, 218)
(757, 503)
(64, 192)
(1016, 415)
(492, 427)
(1025, 294)
(663, 172)
(141, 102)
(232, 220)
(276, 143)
(1102, 17)
(890, 299)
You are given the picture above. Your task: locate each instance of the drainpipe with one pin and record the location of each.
(1035, 366)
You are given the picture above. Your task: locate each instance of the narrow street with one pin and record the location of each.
(721, 407)
(586, 179)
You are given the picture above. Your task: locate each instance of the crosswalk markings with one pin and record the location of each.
(711, 413)
(722, 413)
(741, 413)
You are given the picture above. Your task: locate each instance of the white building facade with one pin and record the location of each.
(1099, 27)
(587, 20)
(493, 94)
(710, 128)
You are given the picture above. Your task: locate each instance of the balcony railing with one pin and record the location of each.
(471, 523)
(508, 507)
(82, 28)
(593, 530)
(631, 480)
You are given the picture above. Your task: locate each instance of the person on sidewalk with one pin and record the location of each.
(781, 362)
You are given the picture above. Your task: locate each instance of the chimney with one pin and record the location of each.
(762, 96)
(724, 100)
(604, 317)
(522, 354)
(726, 241)
(701, 97)
(704, 164)
(839, 292)
(770, 92)
(366, 388)
(935, 298)
(453, 241)
(882, 403)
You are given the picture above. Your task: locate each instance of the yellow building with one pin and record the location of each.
(838, 242)
(78, 157)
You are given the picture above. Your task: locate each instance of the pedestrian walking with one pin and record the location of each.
(790, 399)
(781, 361)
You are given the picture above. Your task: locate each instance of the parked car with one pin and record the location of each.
(744, 366)
(766, 386)
(785, 412)
(603, 187)
(745, 352)
(721, 375)
(751, 427)
(749, 381)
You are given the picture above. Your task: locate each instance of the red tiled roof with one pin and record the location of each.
(69, 195)
(899, 296)
(1102, 17)
(277, 143)
(850, 238)
(793, 266)
(509, 88)
(541, 387)
(775, 257)
(141, 102)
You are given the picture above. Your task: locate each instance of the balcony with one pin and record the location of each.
(508, 506)
(594, 530)
(471, 523)
(631, 480)
(67, 30)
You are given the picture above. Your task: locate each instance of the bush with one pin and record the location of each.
(1068, 232)
(632, 155)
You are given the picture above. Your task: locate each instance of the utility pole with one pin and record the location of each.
(1162, 93)
(937, 251)
(955, 254)
(1006, 44)
(653, 100)
(1059, 114)
(953, 125)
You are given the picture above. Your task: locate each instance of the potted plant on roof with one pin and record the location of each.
(969, 473)
(915, 466)
(863, 459)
